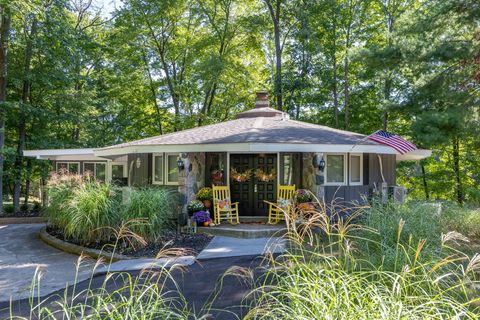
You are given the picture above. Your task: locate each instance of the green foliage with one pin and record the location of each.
(91, 211)
(8, 208)
(83, 208)
(205, 193)
(155, 209)
(393, 263)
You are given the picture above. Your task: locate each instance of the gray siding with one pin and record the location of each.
(389, 166)
(345, 195)
(141, 176)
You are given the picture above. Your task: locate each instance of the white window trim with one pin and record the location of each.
(352, 183)
(68, 165)
(344, 169)
(95, 168)
(117, 163)
(159, 182)
(165, 176)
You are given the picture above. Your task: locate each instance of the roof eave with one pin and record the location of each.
(247, 147)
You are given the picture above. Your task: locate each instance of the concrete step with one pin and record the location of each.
(245, 230)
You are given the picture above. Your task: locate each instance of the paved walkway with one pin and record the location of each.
(21, 253)
(222, 247)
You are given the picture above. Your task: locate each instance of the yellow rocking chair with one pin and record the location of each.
(223, 209)
(285, 195)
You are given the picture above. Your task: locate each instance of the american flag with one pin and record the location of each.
(392, 140)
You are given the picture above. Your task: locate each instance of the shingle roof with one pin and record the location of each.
(275, 127)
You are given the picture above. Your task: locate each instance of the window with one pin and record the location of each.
(335, 169)
(118, 171)
(171, 169)
(356, 169)
(158, 168)
(97, 169)
(287, 169)
(70, 167)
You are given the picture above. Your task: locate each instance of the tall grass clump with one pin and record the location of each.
(328, 271)
(83, 208)
(157, 207)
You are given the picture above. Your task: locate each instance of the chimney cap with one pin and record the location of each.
(261, 100)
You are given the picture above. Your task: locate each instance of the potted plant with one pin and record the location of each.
(303, 199)
(206, 196)
(195, 206)
(202, 218)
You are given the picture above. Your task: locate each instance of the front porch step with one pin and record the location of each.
(245, 230)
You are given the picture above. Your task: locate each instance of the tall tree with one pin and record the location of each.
(5, 17)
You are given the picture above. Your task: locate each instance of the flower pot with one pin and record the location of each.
(207, 203)
(206, 224)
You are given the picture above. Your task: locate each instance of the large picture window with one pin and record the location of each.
(158, 169)
(97, 169)
(70, 167)
(335, 169)
(172, 169)
(356, 172)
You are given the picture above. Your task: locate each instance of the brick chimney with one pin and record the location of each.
(262, 100)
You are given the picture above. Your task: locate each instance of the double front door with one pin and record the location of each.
(253, 179)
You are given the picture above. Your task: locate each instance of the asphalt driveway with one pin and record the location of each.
(22, 253)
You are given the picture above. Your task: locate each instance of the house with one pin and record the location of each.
(263, 142)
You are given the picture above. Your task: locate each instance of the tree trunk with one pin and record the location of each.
(335, 88)
(153, 92)
(346, 83)
(4, 31)
(28, 174)
(26, 87)
(425, 185)
(456, 169)
(275, 15)
(334, 66)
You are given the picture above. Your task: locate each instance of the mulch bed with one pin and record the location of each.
(21, 214)
(191, 243)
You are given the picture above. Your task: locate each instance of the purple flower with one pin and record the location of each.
(201, 216)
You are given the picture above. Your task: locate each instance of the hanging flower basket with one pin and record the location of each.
(241, 176)
(264, 176)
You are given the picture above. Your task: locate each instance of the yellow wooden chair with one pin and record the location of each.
(285, 195)
(223, 208)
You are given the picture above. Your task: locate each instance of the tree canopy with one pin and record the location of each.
(73, 76)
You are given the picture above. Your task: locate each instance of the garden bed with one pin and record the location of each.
(21, 214)
(192, 243)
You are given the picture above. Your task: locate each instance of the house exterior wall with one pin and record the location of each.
(139, 169)
(389, 165)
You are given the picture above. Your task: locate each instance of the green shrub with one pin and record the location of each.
(83, 208)
(154, 208)
(93, 210)
(8, 208)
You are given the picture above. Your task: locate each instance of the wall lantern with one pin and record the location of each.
(180, 164)
(319, 162)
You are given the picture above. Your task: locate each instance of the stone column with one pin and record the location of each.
(192, 178)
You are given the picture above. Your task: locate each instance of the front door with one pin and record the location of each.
(253, 179)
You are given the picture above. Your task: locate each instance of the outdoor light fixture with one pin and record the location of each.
(180, 164)
(319, 162)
